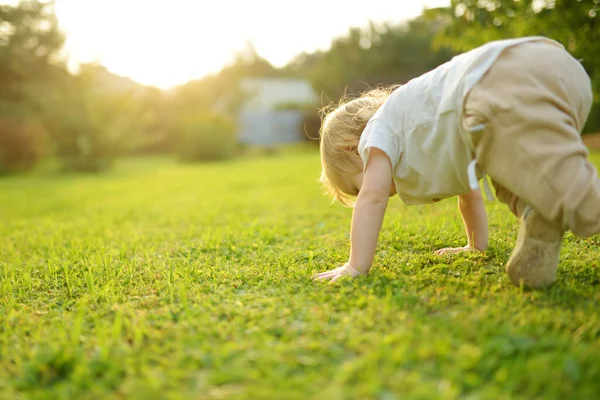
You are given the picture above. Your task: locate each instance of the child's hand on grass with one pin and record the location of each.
(454, 250)
(337, 273)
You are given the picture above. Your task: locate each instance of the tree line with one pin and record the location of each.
(86, 120)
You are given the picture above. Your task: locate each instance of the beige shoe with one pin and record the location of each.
(534, 260)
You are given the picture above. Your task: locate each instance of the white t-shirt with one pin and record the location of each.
(419, 127)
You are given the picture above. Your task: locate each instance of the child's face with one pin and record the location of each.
(357, 181)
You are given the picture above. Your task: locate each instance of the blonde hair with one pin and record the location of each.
(340, 133)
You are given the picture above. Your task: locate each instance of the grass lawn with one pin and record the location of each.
(161, 280)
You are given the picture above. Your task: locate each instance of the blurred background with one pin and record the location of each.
(86, 82)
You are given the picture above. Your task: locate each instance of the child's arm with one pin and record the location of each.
(367, 217)
(472, 210)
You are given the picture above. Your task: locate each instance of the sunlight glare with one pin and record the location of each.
(165, 43)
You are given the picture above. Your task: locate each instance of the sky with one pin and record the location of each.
(169, 42)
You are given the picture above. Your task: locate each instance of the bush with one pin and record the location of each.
(21, 145)
(89, 128)
(205, 137)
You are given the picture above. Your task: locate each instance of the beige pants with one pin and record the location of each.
(533, 103)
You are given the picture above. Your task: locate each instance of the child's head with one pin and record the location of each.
(340, 133)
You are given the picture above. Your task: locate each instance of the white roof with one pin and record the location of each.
(267, 93)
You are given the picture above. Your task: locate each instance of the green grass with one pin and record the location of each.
(162, 280)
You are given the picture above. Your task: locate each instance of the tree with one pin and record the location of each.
(378, 54)
(29, 44)
(574, 23)
(94, 118)
(204, 93)
(218, 93)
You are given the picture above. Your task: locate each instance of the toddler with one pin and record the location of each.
(511, 109)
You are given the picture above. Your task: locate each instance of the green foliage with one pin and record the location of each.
(21, 145)
(91, 118)
(155, 123)
(205, 137)
(89, 126)
(379, 54)
(222, 90)
(29, 43)
(191, 281)
(574, 23)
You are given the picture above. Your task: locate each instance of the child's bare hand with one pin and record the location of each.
(337, 273)
(454, 250)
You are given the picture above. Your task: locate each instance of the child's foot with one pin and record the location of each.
(534, 260)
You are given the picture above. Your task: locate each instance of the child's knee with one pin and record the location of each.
(585, 229)
(585, 221)
(515, 204)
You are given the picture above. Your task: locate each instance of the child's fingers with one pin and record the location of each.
(450, 250)
(326, 273)
(333, 276)
(324, 279)
(323, 276)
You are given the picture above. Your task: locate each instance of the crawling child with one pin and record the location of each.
(511, 109)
